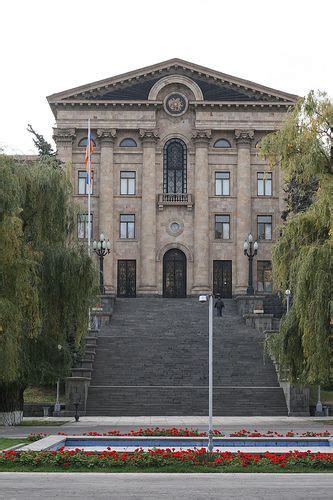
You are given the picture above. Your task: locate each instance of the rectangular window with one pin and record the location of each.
(222, 227)
(264, 183)
(222, 183)
(264, 276)
(82, 182)
(127, 182)
(127, 226)
(264, 227)
(82, 226)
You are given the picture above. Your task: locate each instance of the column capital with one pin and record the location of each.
(149, 135)
(106, 135)
(244, 136)
(64, 135)
(202, 136)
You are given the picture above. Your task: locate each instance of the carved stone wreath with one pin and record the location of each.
(175, 104)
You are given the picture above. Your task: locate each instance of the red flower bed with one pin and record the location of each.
(164, 457)
(176, 432)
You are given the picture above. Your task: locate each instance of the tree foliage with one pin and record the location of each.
(302, 257)
(44, 148)
(47, 280)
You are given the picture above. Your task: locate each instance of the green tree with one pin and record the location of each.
(44, 148)
(47, 280)
(302, 256)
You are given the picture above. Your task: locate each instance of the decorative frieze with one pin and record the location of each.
(106, 135)
(244, 136)
(202, 136)
(149, 135)
(64, 135)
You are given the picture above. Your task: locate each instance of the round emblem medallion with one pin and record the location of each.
(175, 227)
(175, 104)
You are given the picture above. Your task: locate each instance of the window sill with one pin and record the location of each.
(127, 196)
(126, 240)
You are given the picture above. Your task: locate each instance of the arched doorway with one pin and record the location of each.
(174, 273)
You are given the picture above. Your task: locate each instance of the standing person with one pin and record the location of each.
(219, 305)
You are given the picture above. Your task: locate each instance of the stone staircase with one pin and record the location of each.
(152, 359)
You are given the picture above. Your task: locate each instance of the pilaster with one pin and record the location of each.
(244, 206)
(201, 282)
(64, 138)
(147, 285)
(105, 205)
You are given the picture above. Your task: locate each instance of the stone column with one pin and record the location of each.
(244, 206)
(64, 138)
(201, 280)
(148, 214)
(105, 205)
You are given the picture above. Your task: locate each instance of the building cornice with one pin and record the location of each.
(159, 104)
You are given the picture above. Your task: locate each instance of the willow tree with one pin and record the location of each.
(46, 279)
(302, 256)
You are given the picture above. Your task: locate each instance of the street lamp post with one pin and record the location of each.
(203, 298)
(288, 292)
(101, 248)
(250, 250)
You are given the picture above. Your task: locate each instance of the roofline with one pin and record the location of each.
(162, 65)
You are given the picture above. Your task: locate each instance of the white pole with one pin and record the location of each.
(57, 403)
(210, 374)
(89, 185)
(89, 209)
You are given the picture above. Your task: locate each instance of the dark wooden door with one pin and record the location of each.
(222, 278)
(174, 274)
(126, 283)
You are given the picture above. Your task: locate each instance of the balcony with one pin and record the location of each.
(174, 199)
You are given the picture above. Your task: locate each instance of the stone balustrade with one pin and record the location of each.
(164, 199)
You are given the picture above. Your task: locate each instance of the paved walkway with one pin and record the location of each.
(124, 424)
(169, 486)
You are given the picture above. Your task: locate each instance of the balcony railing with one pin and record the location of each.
(173, 199)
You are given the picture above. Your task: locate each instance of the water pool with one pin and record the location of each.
(187, 443)
(99, 444)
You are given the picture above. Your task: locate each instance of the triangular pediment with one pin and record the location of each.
(137, 85)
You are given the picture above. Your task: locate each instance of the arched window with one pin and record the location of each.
(174, 167)
(83, 142)
(222, 143)
(128, 143)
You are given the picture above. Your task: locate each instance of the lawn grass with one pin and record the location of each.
(41, 423)
(166, 469)
(41, 395)
(8, 442)
(326, 396)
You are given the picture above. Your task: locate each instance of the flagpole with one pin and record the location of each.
(89, 185)
(89, 209)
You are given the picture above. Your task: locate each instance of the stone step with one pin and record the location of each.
(164, 342)
(185, 400)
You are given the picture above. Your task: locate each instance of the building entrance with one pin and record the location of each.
(222, 278)
(126, 282)
(174, 274)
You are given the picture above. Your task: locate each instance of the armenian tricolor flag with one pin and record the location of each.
(87, 159)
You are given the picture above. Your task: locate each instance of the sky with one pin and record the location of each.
(48, 47)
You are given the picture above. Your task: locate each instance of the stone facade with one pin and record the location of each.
(197, 106)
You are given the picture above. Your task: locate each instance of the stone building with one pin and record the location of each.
(177, 181)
